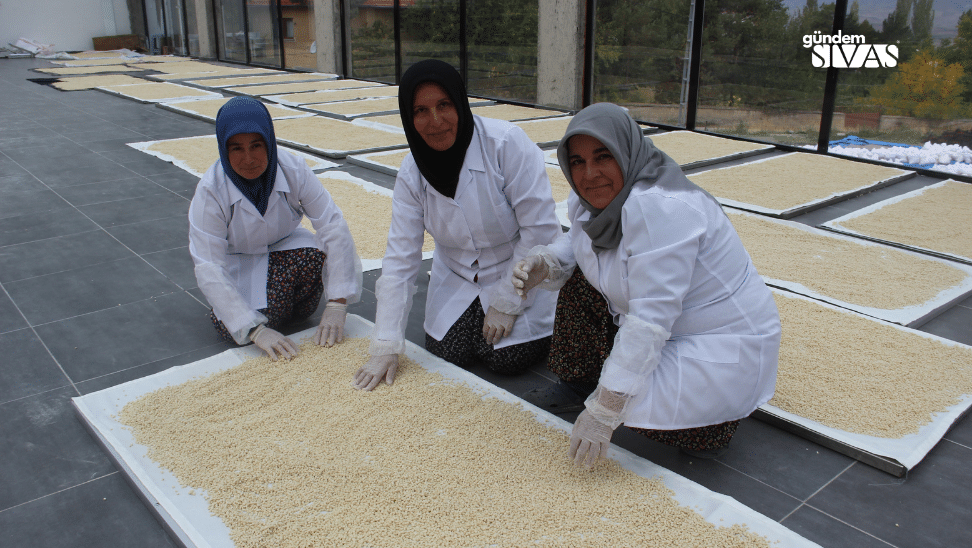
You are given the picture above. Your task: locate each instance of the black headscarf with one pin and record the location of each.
(247, 115)
(440, 169)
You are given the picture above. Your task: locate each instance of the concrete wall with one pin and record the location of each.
(67, 24)
(560, 53)
(327, 28)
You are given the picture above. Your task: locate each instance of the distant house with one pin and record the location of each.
(377, 11)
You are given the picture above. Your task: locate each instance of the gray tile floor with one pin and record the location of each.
(97, 288)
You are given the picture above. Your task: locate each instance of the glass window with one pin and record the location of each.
(156, 26)
(372, 30)
(264, 32)
(175, 27)
(641, 56)
(229, 18)
(501, 45)
(430, 30)
(928, 85)
(757, 80)
(192, 27)
(300, 49)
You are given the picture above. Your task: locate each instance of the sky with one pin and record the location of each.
(947, 13)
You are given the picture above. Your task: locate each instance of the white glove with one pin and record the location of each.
(529, 273)
(273, 343)
(378, 367)
(331, 330)
(497, 325)
(589, 440)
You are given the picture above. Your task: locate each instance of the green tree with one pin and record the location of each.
(960, 52)
(924, 87)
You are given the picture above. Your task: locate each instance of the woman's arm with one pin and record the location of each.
(208, 221)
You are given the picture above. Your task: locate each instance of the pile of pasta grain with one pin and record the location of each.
(289, 454)
(368, 215)
(158, 90)
(791, 180)
(937, 219)
(686, 147)
(855, 272)
(334, 135)
(863, 376)
(87, 82)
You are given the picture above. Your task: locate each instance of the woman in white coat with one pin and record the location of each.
(256, 265)
(480, 189)
(666, 318)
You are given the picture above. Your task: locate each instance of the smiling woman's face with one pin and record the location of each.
(595, 172)
(247, 154)
(434, 116)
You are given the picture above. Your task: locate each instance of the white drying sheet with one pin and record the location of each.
(908, 450)
(191, 93)
(836, 226)
(904, 316)
(316, 165)
(368, 264)
(188, 515)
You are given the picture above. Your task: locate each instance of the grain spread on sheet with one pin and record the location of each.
(87, 82)
(157, 90)
(194, 154)
(276, 89)
(859, 375)
(546, 130)
(785, 182)
(875, 276)
(309, 97)
(359, 106)
(334, 135)
(937, 220)
(289, 454)
(69, 71)
(209, 108)
(513, 112)
(558, 184)
(368, 215)
(686, 147)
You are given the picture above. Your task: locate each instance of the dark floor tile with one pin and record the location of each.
(54, 297)
(10, 317)
(36, 150)
(828, 531)
(135, 210)
(154, 166)
(110, 145)
(103, 512)
(85, 138)
(177, 181)
(130, 335)
(35, 133)
(16, 179)
(961, 432)
(43, 448)
(129, 155)
(93, 172)
(176, 264)
(111, 191)
(28, 368)
(145, 370)
(921, 509)
(32, 228)
(32, 202)
(18, 262)
(711, 474)
(155, 235)
(784, 461)
(954, 324)
(197, 295)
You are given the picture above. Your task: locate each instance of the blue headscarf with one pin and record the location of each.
(247, 115)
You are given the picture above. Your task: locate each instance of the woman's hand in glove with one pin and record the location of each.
(528, 273)
(331, 329)
(589, 440)
(377, 369)
(497, 325)
(273, 343)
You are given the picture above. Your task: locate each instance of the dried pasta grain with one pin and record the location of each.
(391, 159)
(937, 219)
(881, 277)
(546, 130)
(558, 183)
(686, 147)
(288, 454)
(297, 87)
(791, 180)
(87, 82)
(210, 108)
(326, 134)
(513, 112)
(68, 71)
(310, 97)
(859, 375)
(195, 154)
(356, 106)
(158, 90)
(272, 79)
(368, 215)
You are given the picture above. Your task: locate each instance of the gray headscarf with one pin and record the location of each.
(637, 156)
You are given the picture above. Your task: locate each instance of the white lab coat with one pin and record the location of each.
(501, 209)
(230, 242)
(680, 265)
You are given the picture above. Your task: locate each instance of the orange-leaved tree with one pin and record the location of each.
(923, 87)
